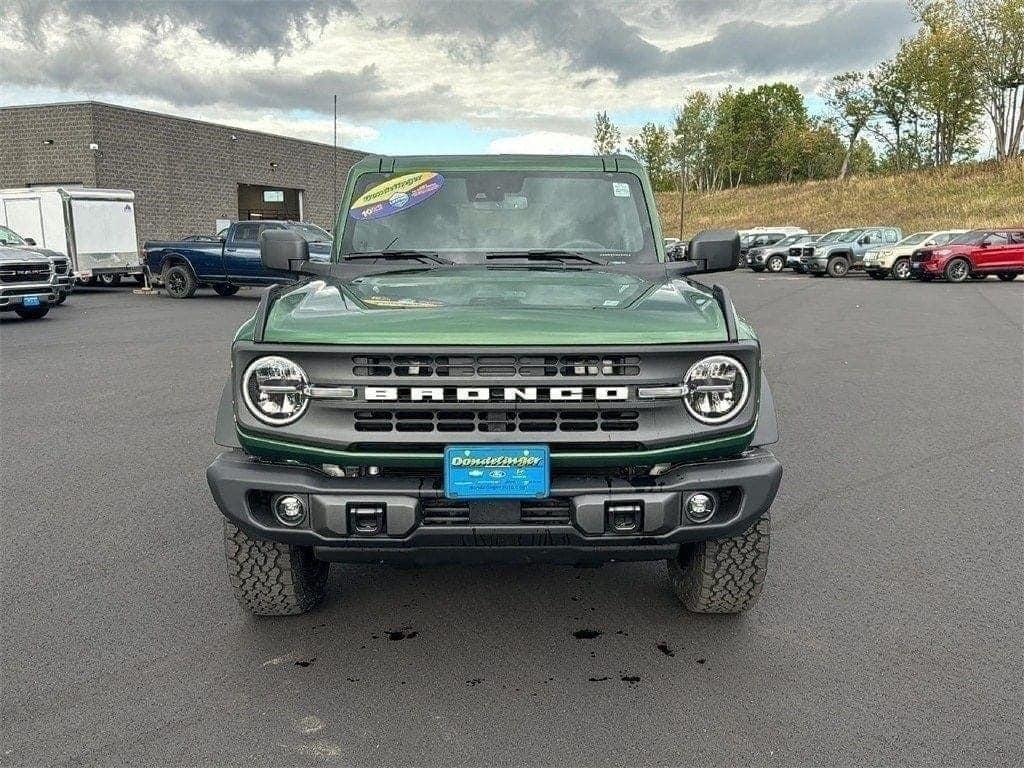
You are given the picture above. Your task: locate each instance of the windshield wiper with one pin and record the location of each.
(545, 255)
(395, 256)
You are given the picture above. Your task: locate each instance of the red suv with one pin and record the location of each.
(974, 254)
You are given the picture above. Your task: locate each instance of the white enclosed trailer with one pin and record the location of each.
(94, 228)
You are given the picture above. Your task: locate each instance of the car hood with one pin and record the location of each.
(50, 254)
(497, 306)
(10, 253)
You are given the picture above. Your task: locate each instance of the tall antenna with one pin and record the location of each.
(334, 158)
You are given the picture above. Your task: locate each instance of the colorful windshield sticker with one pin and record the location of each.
(396, 195)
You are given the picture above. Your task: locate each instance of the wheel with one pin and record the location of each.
(838, 266)
(722, 575)
(978, 276)
(223, 289)
(179, 282)
(901, 269)
(62, 296)
(270, 578)
(775, 264)
(110, 281)
(877, 275)
(1007, 276)
(958, 270)
(32, 313)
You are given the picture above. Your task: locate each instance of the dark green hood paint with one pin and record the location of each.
(477, 306)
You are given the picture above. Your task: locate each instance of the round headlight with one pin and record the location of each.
(715, 389)
(274, 389)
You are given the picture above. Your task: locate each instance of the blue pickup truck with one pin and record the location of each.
(225, 263)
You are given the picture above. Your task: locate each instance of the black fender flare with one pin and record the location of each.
(767, 430)
(224, 433)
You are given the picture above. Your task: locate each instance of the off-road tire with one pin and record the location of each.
(270, 578)
(1007, 276)
(958, 270)
(32, 313)
(225, 289)
(901, 270)
(722, 575)
(179, 282)
(876, 275)
(838, 267)
(775, 264)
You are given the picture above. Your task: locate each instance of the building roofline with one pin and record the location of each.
(166, 116)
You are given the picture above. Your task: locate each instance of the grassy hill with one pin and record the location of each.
(986, 194)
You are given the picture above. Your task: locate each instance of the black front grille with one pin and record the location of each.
(496, 366)
(60, 266)
(24, 273)
(495, 421)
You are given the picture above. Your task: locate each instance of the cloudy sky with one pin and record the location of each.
(431, 75)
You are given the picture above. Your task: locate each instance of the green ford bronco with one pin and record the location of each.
(498, 364)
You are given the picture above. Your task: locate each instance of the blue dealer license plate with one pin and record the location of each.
(497, 471)
(30, 301)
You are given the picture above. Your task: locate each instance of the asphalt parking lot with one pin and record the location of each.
(889, 632)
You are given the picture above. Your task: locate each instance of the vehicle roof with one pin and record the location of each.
(389, 164)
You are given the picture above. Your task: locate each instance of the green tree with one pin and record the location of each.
(851, 104)
(942, 63)
(652, 147)
(693, 124)
(607, 137)
(892, 87)
(996, 29)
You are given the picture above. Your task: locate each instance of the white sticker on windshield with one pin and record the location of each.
(619, 189)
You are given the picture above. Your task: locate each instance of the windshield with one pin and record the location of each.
(467, 215)
(792, 240)
(969, 238)
(849, 237)
(831, 237)
(312, 233)
(10, 237)
(915, 239)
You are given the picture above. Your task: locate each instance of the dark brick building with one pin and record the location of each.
(186, 174)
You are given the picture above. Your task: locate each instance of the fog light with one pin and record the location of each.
(624, 517)
(701, 507)
(290, 510)
(366, 519)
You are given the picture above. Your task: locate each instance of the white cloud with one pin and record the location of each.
(543, 143)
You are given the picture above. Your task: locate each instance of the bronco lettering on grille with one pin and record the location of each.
(489, 394)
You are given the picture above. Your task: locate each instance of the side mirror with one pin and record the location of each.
(29, 241)
(283, 250)
(715, 250)
(984, 243)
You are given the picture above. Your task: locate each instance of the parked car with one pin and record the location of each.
(26, 283)
(895, 261)
(93, 228)
(184, 266)
(974, 254)
(410, 406)
(762, 237)
(837, 258)
(796, 252)
(773, 257)
(63, 280)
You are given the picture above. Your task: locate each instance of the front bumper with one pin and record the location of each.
(931, 267)
(13, 296)
(494, 531)
(815, 266)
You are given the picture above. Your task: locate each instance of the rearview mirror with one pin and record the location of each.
(715, 250)
(283, 250)
(29, 241)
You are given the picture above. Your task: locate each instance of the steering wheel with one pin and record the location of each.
(580, 245)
